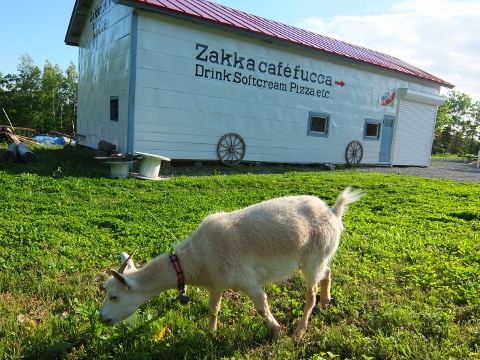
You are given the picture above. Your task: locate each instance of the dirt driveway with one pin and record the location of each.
(451, 169)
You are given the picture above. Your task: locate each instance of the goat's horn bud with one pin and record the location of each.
(124, 265)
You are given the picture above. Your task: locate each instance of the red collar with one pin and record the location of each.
(182, 297)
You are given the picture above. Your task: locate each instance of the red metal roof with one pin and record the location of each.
(210, 12)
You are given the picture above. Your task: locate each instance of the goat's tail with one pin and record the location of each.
(348, 196)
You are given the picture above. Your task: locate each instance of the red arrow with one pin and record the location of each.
(341, 83)
(388, 100)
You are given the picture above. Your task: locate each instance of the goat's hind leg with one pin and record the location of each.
(312, 277)
(307, 310)
(325, 283)
(259, 299)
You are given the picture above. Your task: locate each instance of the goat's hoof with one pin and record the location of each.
(324, 303)
(275, 333)
(298, 333)
(332, 301)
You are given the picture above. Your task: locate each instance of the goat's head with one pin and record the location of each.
(122, 298)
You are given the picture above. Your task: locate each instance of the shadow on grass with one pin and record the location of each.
(58, 162)
(135, 344)
(80, 162)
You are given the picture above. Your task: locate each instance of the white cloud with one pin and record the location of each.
(438, 36)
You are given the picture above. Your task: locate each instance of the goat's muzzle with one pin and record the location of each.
(107, 322)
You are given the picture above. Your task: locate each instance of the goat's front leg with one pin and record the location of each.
(213, 307)
(259, 299)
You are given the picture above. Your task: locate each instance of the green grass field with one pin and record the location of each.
(405, 278)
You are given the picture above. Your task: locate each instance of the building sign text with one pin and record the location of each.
(290, 78)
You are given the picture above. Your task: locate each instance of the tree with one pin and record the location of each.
(443, 117)
(447, 136)
(69, 96)
(473, 129)
(459, 105)
(443, 125)
(7, 91)
(26, 106)
(437, 143)
(457, 125)
(51, 102)
(456, 146)
(45, 101)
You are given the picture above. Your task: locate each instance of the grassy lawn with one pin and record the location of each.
(405, 277)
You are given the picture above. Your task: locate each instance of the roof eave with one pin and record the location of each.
(77, 21)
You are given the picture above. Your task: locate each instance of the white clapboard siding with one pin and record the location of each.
(169, 106)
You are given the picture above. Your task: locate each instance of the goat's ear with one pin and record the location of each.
(130, 266)
(120, 277)
(124, 256)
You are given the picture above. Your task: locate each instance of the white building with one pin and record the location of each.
(173, 77)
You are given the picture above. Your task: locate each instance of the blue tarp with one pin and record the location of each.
(49, 140)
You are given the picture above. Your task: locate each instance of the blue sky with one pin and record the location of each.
(438, 36)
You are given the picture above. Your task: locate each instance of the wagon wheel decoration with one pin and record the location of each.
(354, 153)
(231, 149)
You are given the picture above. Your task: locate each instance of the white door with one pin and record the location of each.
(386, 141)
(414, 133)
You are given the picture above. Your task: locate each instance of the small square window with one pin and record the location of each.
(318, 124)
(114, 108)
(372, 129)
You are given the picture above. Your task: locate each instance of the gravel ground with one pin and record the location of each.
(451, 169)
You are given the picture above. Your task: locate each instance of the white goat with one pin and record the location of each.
(241, 250)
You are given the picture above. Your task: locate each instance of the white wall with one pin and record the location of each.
(183, 116)
(104, 71)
